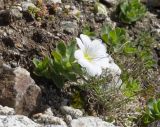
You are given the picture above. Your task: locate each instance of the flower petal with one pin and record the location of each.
(86, 40)
(79, 54)
(91, 69)
(80, 44)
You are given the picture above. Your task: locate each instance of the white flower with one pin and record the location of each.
(91, 55)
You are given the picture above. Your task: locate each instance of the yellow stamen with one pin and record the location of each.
(86, 56)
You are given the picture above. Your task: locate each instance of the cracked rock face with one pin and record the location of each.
(18, 90)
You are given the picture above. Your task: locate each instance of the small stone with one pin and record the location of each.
(6, 110)
(25, 5)
(48, 120)
(75, 113)
(90, 122)
(1, 4)
(101, 9)
(16, 14)
(68, 119)
(70, 27)
(48, 111)
(54, 1)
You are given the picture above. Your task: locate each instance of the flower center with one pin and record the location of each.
(86, 56)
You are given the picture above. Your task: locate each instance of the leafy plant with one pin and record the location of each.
(131, 11)
(60, 67)
(87, 31)
(115, 38)
(38, 12)
(152, 112)
(130, 86)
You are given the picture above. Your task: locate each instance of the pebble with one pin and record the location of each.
(75, 113)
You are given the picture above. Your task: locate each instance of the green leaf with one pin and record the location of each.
(62, 48)
(57, 56)
(87, 31)
(70, 51)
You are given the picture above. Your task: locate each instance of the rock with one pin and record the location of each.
(68, 119)
(75, 113)
(17, 121)
(53, 1)
(18, 90)
(6, 110)
(15, 14)
(48, 120)
(1, 4)
(101, 9)
(90, 122)
(25, 5)
(55, 126)
(70, 27)
(89, 0)
(8, 16)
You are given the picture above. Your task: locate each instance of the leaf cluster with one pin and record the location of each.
(131, 11)
(61, 66)
(152, 112)
(114, 38)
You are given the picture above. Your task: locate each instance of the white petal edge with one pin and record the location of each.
(86, 40)
(80, 44)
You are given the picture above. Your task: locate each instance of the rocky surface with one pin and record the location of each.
(17, 121)
(18, 90)
(6, 110)
(75, 113)
(90, 122)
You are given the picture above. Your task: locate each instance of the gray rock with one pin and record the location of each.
(89, 0)
(16, 14)
(70, 27)
(18, 90)
(1, 4)
(55, 126)
(25, 5)
(75, 113)
(90, 122)
(17, 121)
(6, 110)
(53, 1)
(48, 120)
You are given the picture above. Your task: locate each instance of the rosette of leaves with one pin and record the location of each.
(131, 11)
(60, 67)
(114, 38)
(152, 112)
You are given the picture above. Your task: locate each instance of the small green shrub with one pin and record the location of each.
(152, 112)
(130, 86)
(60, 67)
(131, 11)
(114, 38)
